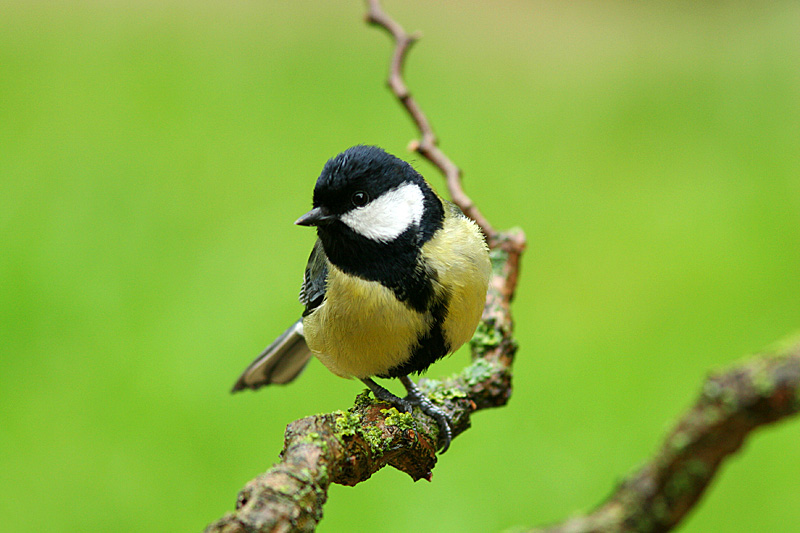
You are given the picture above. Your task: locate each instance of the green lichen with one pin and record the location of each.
(427, 385)
(711, 415)
(679, 442)
(712, 390)
(322, 479)
(307, 487)
(478, 371)
(285, 490)
(314, 439)
(687, 480)
(499, 258)
(403, 421)
(698, 468)
(363, 399)
(350, 423)
(642, 521)
(486, 336)
(347, 423)
(440, 391)
(762, 379)
(660, 510)
(726, 399)
(307, 494)
(443, 394)
(306, 476)
(374, 439)
(678, 484)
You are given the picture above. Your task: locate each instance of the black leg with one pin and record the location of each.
(386, 396)
(415, 397)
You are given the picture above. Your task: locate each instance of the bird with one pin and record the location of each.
(396, 280)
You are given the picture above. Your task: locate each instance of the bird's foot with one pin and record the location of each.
(416, 397)
(384, 395)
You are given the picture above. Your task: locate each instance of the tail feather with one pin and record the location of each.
(281, 362)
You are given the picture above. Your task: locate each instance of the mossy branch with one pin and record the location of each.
(732, 403)
(348, 447)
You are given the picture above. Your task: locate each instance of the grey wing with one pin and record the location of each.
(312, 293)
(287, 356)
(281, 362)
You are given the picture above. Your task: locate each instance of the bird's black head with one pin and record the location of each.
(361, 169)
(369, 204)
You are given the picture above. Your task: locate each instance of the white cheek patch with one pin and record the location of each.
(387, 216)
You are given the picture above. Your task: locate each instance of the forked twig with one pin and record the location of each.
(428, 144)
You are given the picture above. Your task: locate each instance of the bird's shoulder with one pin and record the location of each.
(312, 292)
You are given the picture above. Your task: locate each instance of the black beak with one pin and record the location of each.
(319, 216)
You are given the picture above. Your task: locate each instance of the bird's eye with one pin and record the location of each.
(360, 198)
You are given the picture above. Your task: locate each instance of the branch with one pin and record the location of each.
(348, 447)
(759, 391)
(428, 144)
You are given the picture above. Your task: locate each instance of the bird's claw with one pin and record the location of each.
(444, 421)
(414, 398)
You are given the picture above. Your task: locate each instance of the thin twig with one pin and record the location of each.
(427, 146)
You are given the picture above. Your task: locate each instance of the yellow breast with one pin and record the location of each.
(361, 329)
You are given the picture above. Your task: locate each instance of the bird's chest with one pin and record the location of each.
(362, 329)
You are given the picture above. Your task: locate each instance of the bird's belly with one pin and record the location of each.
(365, 332)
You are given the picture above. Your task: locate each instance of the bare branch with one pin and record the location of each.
(428, 144)
(759, 391)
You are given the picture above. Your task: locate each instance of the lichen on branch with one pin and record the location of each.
(760, 390)
(347, 447)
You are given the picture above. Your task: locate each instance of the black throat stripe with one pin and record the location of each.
(396, 265)
(431, 345)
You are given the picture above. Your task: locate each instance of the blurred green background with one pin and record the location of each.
(153, 156)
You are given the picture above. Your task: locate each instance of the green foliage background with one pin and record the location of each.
(153, 156)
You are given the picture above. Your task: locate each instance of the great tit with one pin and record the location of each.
(396, 280)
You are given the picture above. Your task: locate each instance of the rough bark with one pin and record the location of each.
(758, 391)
